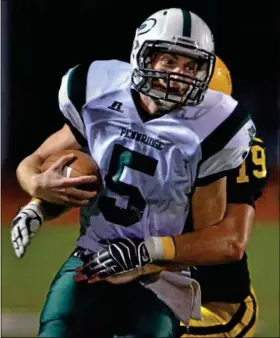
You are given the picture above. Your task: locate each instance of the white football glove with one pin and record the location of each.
(25, 225)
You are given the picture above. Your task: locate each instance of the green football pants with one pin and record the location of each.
(102, 309)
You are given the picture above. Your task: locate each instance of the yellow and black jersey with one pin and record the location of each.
(231, 282)
(246, 183)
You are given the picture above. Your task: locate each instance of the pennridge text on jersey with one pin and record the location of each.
(135, 135)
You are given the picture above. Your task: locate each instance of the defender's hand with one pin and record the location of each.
(119, 256)
(24, 226)
(54, 187)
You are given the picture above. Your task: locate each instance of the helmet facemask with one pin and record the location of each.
(143, 75)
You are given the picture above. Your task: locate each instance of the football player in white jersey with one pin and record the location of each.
(159, 138)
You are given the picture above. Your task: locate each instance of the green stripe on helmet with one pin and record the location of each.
(186, 23)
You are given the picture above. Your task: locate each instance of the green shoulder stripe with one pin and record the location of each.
(76, 85)
(218, 139)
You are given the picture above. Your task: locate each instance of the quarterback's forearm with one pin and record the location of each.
(27, 171)
(52, 211)
(217, 244)
(48, 211)
(30, 167)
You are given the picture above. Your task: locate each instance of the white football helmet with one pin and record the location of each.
(174, 31)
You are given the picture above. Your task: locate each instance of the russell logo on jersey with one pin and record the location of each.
(116, 106)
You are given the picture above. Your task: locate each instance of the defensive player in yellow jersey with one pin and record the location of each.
(229, 304)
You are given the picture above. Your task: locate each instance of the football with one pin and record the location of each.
(82, 164)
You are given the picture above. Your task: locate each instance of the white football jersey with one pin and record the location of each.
(148, 167)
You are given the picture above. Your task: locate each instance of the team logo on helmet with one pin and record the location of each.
(147, 26)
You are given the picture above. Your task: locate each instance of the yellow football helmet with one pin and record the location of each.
(221, 79)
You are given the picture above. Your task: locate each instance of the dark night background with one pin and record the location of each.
(41, 39)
